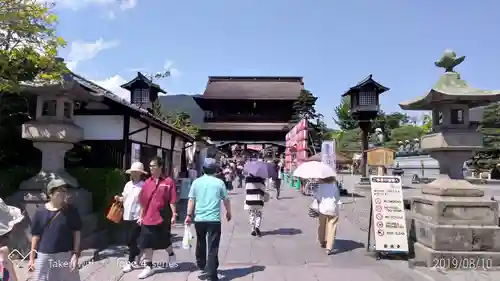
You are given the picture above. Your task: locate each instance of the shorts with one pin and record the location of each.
(155, 236)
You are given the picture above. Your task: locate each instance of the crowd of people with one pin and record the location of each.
(149, 210)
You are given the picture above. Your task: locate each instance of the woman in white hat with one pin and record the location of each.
(56, 231)
(9, 216)
(131, 211)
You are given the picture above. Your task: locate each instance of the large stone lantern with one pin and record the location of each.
(364, 107)
(53, 131)
(454, 223)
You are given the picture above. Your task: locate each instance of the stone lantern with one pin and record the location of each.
(453, 221)
(364, 107)
(53, 131)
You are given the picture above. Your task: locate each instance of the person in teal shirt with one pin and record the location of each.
(205, 198)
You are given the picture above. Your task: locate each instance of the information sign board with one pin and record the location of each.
(328, 155)
(389, 221)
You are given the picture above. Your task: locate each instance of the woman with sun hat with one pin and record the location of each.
(9, 217)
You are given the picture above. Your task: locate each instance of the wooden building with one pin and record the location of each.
(249, 110)
(119, 132)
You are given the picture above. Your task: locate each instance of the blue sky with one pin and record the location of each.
(332, 44)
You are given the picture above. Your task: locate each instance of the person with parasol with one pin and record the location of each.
(326, 202)
(257, 172)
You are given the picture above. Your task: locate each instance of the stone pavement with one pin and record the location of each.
(288, 250)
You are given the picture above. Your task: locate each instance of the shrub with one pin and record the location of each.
(11, 178)
(103, 183)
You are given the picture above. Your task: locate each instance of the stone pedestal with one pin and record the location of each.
(455, 224)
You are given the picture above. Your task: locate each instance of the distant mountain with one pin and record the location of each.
(186, 103)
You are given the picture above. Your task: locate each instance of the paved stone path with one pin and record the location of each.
(288, 250)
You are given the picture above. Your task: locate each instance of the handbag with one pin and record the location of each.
(115, 213)
(314, 209)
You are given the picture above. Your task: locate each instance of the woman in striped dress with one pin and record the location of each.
(254, 202)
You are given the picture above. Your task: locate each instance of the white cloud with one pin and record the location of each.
(113, 84)
(81, 51)
(128, 4)
(112, 6)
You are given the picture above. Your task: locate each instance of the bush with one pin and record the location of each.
(11, 178)
(103, 183)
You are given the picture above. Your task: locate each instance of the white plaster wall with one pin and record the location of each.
(166, 140)
(154, 136)
(179, 145)
(100, 127)
(136, 125)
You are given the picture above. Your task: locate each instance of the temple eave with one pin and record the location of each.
(227, 126)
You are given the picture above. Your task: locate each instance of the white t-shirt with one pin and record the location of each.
(131, 207)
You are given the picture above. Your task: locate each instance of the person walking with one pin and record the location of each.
(9, 216)
(55, 241)
(157, 193)
(327, 200)
(254, 202)
(131, 211)
(204, 206)
(277, 180)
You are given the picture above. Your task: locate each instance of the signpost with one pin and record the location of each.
(328, 155)
(388, 215)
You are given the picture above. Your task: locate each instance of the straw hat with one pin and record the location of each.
(136, 167)
(9, 216)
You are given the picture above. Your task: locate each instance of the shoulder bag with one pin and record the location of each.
(151, 198)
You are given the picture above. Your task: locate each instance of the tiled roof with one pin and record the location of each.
(367, 81)
(279, 88)
(146, 80)
(110, 96)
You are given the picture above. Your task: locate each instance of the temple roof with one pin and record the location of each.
(451, 89)
(239, 87)
(141, 77)
(368, 81)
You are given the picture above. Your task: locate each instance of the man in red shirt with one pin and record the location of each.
(158, 192)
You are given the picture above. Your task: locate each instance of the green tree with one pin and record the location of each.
(405, 132)
(28, 44)
(343, 117)
(427, 124)
(490, 127)
(304, 107)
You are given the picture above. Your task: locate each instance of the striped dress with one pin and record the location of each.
(255, 191)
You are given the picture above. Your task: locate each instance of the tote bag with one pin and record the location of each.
(115, 213)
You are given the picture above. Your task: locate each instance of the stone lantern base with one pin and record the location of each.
(455, 226)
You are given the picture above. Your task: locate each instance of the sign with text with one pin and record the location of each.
(328, 155)
(389, 221)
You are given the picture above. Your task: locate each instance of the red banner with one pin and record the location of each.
(296, 151)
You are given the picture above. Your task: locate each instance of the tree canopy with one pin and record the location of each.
(179, 120)
(305, 108)
(28, 44)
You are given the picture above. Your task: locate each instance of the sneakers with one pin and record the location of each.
(129, 267)
(172, 261)
(256, 232)
(145, 273)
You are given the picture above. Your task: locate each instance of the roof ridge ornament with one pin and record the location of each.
(449, 60)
